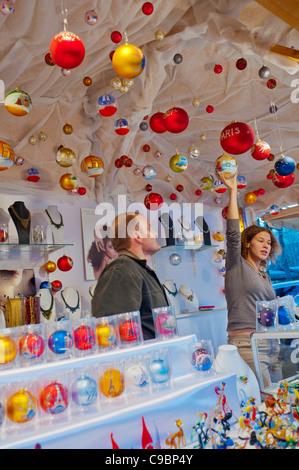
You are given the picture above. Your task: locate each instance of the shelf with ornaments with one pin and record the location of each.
(31, 247)
(20, 256)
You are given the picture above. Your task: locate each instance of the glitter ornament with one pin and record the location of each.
(91, 17)
(271, 83)
(180, 188)
(49, 60)
(146, 148)
(241, 64)
(284, 166)
(67, 50)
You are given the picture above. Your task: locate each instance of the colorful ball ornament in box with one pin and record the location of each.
(8, 349)
(226, 164)
(56, 286)
(128, 61)
(65, 157)
(7, 156)
(33, 175)
(84, 338)
(201, 359)
(129, 331)
(67, 50)
(178, 163)
(65, 263)
(237, 138)
(149, 172)
(49, 60)
(121, 127)
(137, 376)
(283, 181)
(60, 342)
(160, 370)
(165, 324)
(284, 166)
(18, 102)
(176, 120)
(92, 166)
(31, 346)
(91, 17)
(250, 197)
(84, 391)
(3, 235)
(68, 181)
(21, 406)
(106, 335)
(107, 105)
(54, 398)
(7, 7)
(260, 150)
(153, 201)
(157, 123)
(112, 383)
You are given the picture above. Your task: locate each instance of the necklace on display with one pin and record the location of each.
(24, 222)
(48, 312)
(189, 297)
(61, 224)
(72, 309)
(170, 292)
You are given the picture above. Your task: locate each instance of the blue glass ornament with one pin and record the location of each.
(84, 391)
(160, 371)
(285, 166)
(45, 285)
(60, 342)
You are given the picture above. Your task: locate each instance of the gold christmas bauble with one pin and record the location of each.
(128, 61)
(21, 406)
(112, 383)
(68, 181)
(92, 166)
(68, 129)
(159, 35)
(65, 157)
(50, 266)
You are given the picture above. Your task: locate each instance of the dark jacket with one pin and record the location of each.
(128, 284)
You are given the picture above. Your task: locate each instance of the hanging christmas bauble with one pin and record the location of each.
(218, 68)
(241, 64)
(198, 192)
(159, 35)
(180, 188)
(153, 201)
(68, 181)
(285, 166)
(91, 17)
(67, 50)
(107, 105)
(241, 182)
(56, 286)
(42, 136)
(226, 164)
(116, 37)
(173, 196)
(202, 137)
(49, 60)
(236, 138)
(260, 150)
(283, 181)
(271, 83)
(148, 187)
(178, 163)
(147, 8)
(65, 263)
(157, 123)
(66, 72)
(68, 129)
(209, 108)
(118, 163)
(45, 285)
(264, 72)
(87, 81)
(175, 259)
(116, 83)
(50, 266)
(143, 126)
(81, 191)
(7, 7)
(206, 183)
(176, 120)
(7, 156)
(33, 175)
(195, 102)
(158, 154)
(21, 406)
(250, 197)
(274, 210)
(121, 127)
(168, 178)
(178, 58)
(273, 109)
(219, 187)
(261, 192)
(65, 157)
(128, 61)
(18, 102)
(19, 160)
(32, 140)
(224, 212)
(149, 172)
(194, 152)
(92, 166)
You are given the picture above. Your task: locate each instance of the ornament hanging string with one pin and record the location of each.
(256, 131)
(64, 13)
(277, 133)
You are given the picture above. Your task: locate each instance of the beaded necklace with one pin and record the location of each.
(72, 309)
(61, 224)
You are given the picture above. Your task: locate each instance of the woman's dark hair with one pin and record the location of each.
(95, 256)
(250, 232)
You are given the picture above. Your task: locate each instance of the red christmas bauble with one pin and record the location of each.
(31, 345)
(67, 50)
(147, 8)
(153, 201)
(129, 331)
(271, 157)
(241, 64)
(81, 191)
(56, 286)
(84, 338)
(271, 83)
(180, 188)
(261, 192)
(224, 212)
(176, 120)
(118, 163)
(269, 176)
(54, 398)
(49, 60)
(65, 263)
(146, 148)
(260, 150)
(148, 187)
(198, 192)
(157, 123)
(116, 36)
(128, 162)
(236, 138)
(173, 196)
(218, 68)
(209, 109)
(283, 181)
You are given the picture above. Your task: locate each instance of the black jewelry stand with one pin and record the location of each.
(23, 213)
(204, 228)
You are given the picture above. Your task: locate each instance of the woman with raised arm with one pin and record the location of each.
(246, 280)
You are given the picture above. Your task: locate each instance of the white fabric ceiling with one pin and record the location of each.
(205, 32)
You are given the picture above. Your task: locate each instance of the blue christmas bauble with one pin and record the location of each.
(45, 285)
(60, 342)
(285, 166)
(283, 316)
(267, 317)
(160, 371)
(84, 391)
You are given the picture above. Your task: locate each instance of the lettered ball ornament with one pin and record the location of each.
(31, 346)
(260, 150)
(176, 120)
(128, 61)
(153, 201)
(67, 50)
(237, 138)
(65, 263)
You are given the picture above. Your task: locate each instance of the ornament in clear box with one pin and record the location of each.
(18, 102)
(129, 330)
(54, 398)
(160, 370)
(84, 391)
(284, 316)
(3, 235)
(112, 383)
(107, 105)
(226, 164)
(165, 324)
(201, 359)
(91, 17)
(31, 346)
(266, 317)
(65, 157)
(137, 376)
(84, 338)
(106, 335)
(60, 342)
(7, 7)
(178, 163)
(8, 349)
(128, 61)
(92, 166)
(21, 406)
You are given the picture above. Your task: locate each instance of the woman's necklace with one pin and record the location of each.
(52, 221)
(72, 309)
(258, 270)
(24, 222)
(170, 292)
(48, 312)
